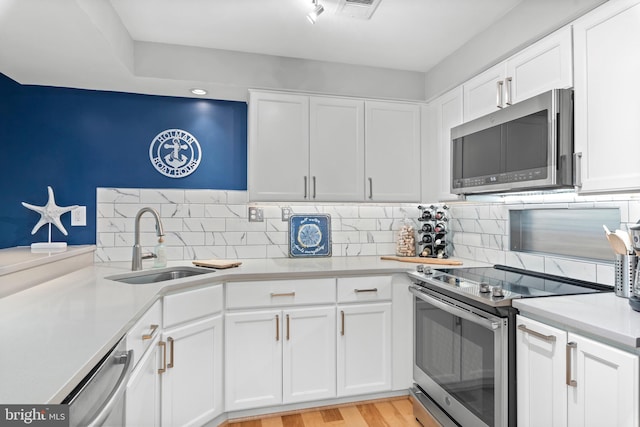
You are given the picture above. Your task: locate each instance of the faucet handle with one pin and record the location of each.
(149, 255)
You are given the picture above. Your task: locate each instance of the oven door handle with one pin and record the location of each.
(451, 309)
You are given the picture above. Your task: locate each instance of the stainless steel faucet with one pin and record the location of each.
(136, 261)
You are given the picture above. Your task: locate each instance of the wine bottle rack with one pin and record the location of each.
(434, 228)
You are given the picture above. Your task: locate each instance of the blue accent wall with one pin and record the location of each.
(77, 140)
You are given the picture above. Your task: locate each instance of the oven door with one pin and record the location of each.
(460, 358)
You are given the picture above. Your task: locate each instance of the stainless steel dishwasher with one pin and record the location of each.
(99, 399)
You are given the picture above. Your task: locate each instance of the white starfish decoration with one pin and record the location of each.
(50, 213)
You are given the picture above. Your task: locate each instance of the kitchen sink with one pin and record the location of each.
(155, 276)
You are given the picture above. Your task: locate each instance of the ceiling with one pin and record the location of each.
(165, 46)
(402, 34)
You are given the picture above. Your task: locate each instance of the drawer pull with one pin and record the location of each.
(170, 341)
(286, 294)
(550, 338)
(164, 357)
(277, 327)
(357, 291)
(152, 330)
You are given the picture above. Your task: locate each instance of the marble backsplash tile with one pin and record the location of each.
(480, 231)
(201, 224)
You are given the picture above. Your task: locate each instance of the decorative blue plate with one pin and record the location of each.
(309, 235)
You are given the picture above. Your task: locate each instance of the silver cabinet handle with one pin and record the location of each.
(305, 187)
(499, 99)
(577, 167)
(314, 186)
(370, 188)
(342, 322)
(507, 83)
(549, 338)
(116, 393)
(570, 347)
(277, 327)
(357, 291)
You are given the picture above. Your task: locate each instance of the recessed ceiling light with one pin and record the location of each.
(197, 91)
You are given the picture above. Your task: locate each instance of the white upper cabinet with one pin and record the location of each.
(392, 160)
(607, 129)
(312, 148)
(278, 160)
(483, 94)
(439, 117)
(336, 155)
(543, 66)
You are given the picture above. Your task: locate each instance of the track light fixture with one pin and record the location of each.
(317, 10)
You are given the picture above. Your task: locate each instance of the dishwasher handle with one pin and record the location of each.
(117, 393)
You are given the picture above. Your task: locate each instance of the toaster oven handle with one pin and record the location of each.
(451, 309)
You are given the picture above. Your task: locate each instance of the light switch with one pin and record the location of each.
(79, 216)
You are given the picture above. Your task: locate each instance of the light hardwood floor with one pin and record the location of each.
(396, 412)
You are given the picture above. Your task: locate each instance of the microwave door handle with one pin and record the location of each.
(118, 392)
(472, 317)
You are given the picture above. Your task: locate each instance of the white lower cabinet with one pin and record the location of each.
(364, 348)
(192, 382)
(565, 379)
(279, 356)
(143, 391)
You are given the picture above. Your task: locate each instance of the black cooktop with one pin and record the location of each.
(523, 283)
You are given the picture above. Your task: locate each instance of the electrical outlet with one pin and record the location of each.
(286, 213)
(256, 214)
(79, 216)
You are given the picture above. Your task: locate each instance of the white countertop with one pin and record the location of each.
(22, 257)
(603, 315)
(52, 334)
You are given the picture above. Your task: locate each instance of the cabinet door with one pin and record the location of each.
(309, 354)
(336, 151)
(443, 113)
(541, 369)
(278, 158)
(543, 66)
(607, 67)
(392, 154)
(606, 388)
(253, 363)
(192, 382)
(364, 348)
(484, 93)
(143, 390)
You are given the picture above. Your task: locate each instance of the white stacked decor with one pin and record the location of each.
(49, 214)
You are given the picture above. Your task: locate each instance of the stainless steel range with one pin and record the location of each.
(464, 340)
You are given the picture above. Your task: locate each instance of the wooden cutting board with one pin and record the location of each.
(421, 260)
(216, 263)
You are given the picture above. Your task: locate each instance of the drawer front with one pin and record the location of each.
(371, 288)
(190, 305)
(146, 329)
(271, 293)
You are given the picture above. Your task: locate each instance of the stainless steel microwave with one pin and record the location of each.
(526, 146)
